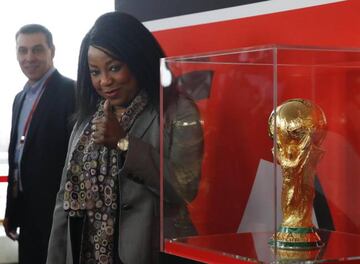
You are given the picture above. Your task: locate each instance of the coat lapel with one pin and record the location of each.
(15, 120)
(42, 108)
(143, 122)
(16, 114)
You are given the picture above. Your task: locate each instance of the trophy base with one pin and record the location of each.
(298, 255)
(297, 238)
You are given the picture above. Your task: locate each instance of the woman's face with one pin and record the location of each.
(111, 78)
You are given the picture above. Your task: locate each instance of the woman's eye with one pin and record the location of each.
(115, 68)
(94, 72)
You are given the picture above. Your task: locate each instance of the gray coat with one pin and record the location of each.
(139, 185)
(139, 198)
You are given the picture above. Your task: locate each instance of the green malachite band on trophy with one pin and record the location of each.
(297, 230)
(296, 245)
(304, 232)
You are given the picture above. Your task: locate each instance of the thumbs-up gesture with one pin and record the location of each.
(107, 130)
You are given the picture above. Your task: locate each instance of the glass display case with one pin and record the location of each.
(260, 155)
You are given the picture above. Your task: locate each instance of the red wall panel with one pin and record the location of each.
(332, 25)
(326, 25)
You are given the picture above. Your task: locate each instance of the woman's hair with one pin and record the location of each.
(124, 38)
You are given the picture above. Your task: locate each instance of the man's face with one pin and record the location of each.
(34, 55)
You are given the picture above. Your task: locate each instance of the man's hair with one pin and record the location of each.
(36, 28)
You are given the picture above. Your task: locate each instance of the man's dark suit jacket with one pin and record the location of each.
(43, 155)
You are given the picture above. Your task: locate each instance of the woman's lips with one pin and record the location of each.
(113, 93)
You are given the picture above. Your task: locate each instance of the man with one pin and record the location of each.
(38, 143)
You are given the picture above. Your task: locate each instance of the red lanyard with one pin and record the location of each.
(33, 108)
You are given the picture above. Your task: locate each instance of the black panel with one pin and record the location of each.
(146, 10)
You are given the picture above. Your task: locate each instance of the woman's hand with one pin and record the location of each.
(107, 130)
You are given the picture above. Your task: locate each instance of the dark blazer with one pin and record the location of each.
(43, 156)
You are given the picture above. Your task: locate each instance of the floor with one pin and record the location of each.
(8, 249)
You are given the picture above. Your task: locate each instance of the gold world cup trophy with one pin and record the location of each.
(299, 127)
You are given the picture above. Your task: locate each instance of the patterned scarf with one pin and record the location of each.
(91, 189)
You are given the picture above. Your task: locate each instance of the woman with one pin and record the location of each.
(107, 208)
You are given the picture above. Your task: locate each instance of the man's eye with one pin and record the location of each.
(38, 49)
(22, 51)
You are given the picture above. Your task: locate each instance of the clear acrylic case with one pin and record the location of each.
(226, 193)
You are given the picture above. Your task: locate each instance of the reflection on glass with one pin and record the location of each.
(183, 152)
